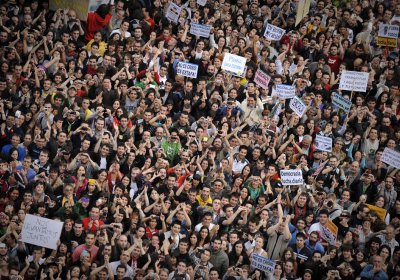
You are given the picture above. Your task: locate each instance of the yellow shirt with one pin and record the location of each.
(204, 202)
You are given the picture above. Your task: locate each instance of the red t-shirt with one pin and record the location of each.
(334, 63)
(93, 229)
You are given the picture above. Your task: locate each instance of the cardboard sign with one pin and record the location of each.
(262, 79)
(200, 30)
(41, 231)
(173, 12)
(262, 263)
(303, 7)
(341, 102)
(273, 33)
(234, 63)
(386, 42)
(202, 2)
(391, 157)
(323, 143)
(380, 212)
(187, 69)
(292, 177)
(354, 81)
(285, 91)
(297, 105)
(329, 233)
(388, 31)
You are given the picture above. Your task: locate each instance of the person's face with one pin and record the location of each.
(89, 240)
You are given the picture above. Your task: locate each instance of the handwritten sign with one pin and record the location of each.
(262, 263)
(234, 63)
(380, 212)
(341, 102)
(292, 177)
(285, 91)
(298, 106)
(391, 157)
(173, 12)
(41, 231)
(200, 30)
(323, 143)
(273, 33)
(354, 81)
(388, 31)
(329, 233)
(187, 69)
(262, 79)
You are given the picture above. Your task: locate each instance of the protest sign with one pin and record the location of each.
(234, 64)
(273, 33)
(329, 233)
(298, 106)
(202, 2)
(391, 157)
(292, 177)
(41, 231)
(200, 30)
(262, 79)
(380, 212)
(301, 257)
(323, 143)
(341, 102)
(354, 81)
(387, 35)
(303, 7)
(173, 12)
(285, 91)
(187, 69)
(262, 263)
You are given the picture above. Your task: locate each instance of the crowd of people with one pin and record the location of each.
(159, 176)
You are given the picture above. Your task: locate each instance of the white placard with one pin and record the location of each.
(391, 157)
(341, 102)
(297, 105)
(285, 91)
(234, 63)
(354, 81)
(292, 177)
(273, 33)
(323, 143)
(388, 31)
(41, 231)
(262, 79)
(187, 69)
(262, 263)
(200, 30)
(202, 2)
(173, 12)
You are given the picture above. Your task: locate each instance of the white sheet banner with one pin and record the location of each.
(273, 33)
(173, 12)
(297, 105)
(200, 30)
(388, 31)
(262, 263)
(262, 79)
(391, 157)
(323, 143)
(285, 91)
(187, 69)
(234, 63)
(354, 81)
(292, 177)
(41, 231)
(341, 102)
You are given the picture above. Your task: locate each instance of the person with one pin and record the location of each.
(375, 270)
(219, 259)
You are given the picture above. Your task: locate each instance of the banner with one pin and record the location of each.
(187, 69)
(303, 7)
(292, 177)
(391, 157)
(262, 79)
(234, 63)
(285, 91)
(354, 81)
(202, 2)
(341, 102)
(41, 231)
(323, 143)
(297, 105)
(329, 233)
(262, 263)
(173, 12)
(380, 212)
(273, 33)
(200, 30)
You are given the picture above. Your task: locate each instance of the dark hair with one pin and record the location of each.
(103, 10)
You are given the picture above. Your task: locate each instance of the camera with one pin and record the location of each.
(329, 203)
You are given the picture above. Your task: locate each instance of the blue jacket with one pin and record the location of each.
(368, 273)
